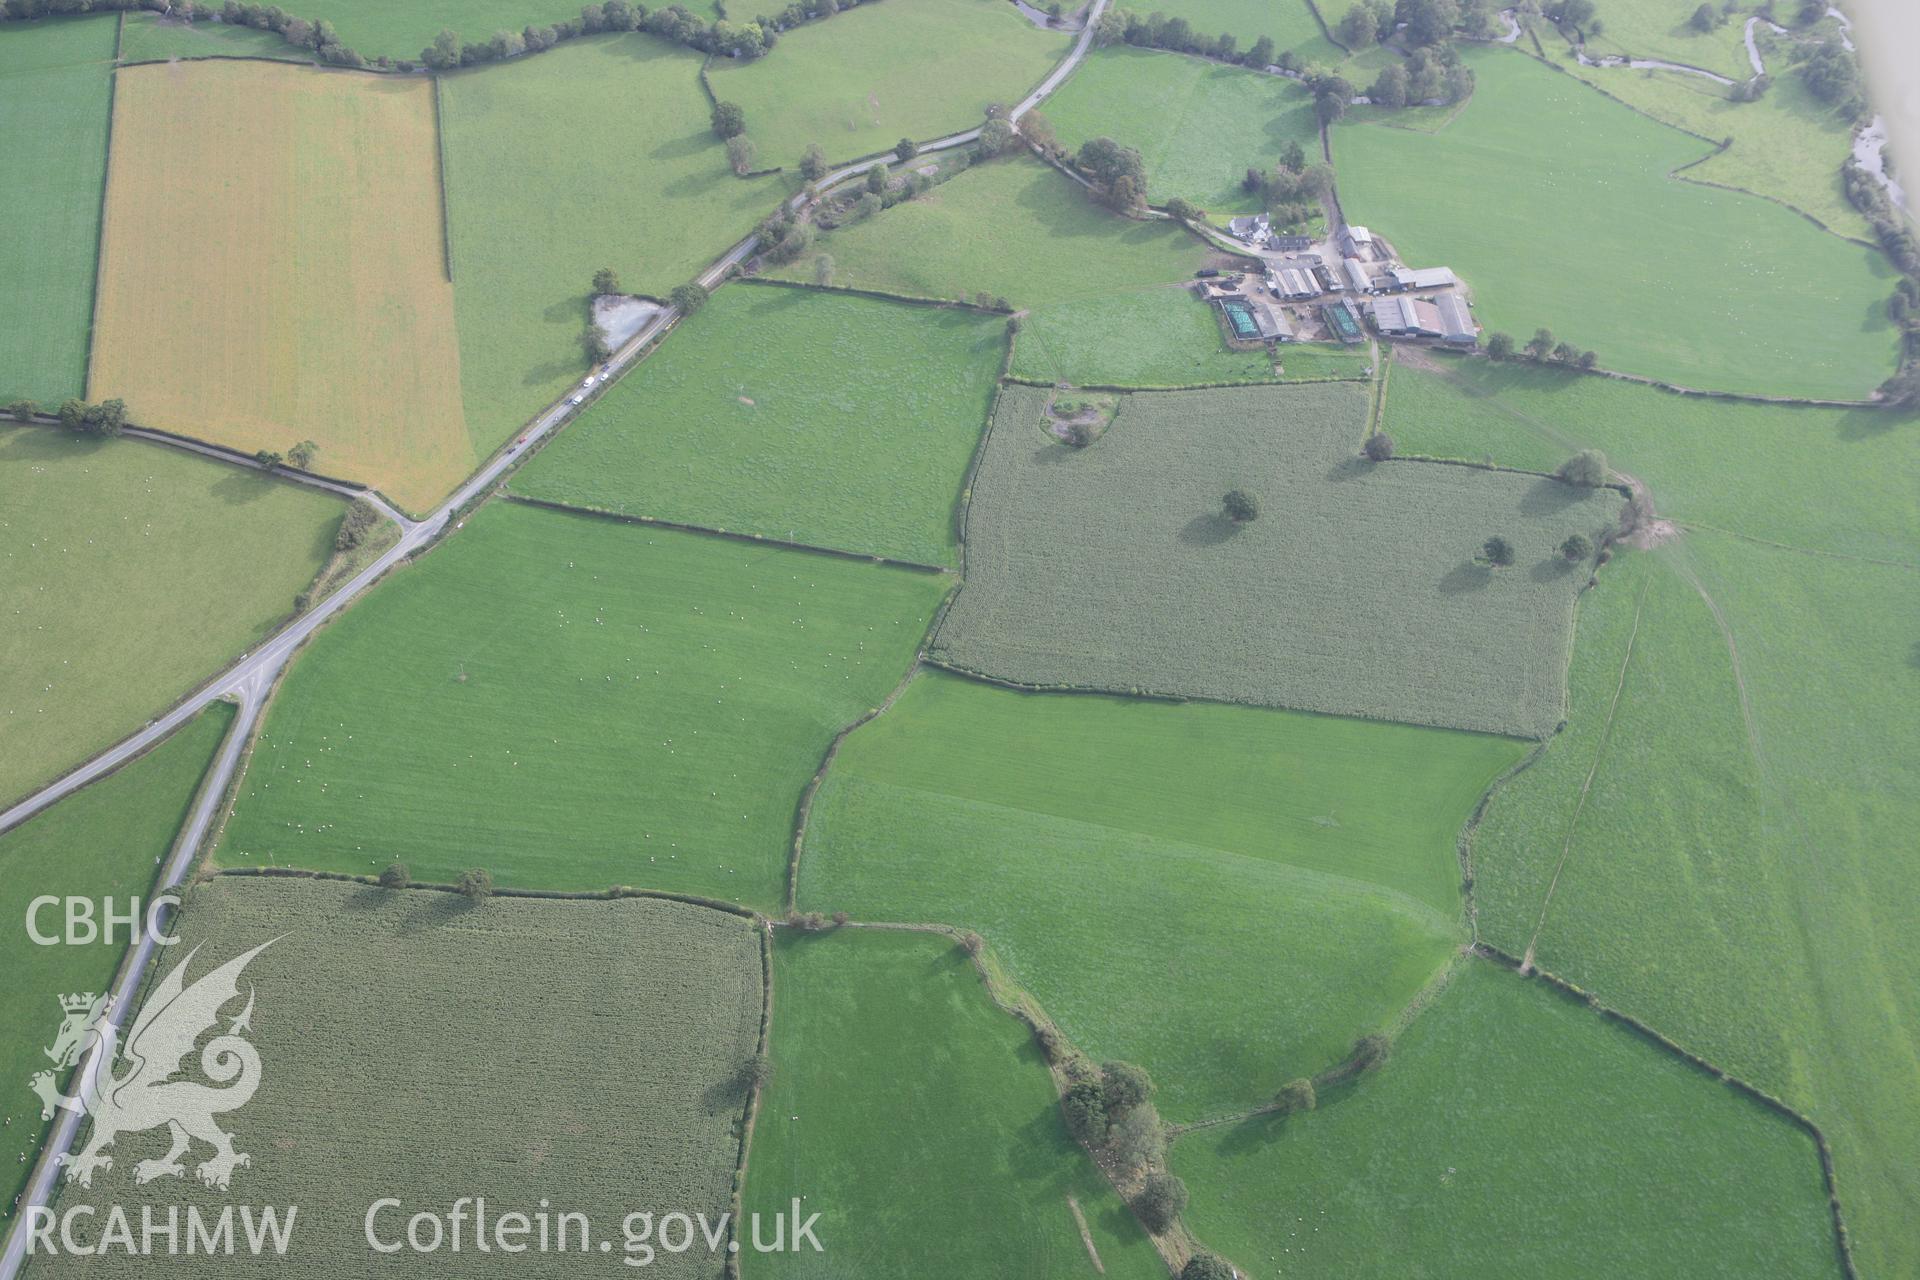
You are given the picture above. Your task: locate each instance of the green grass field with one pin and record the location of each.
(1747, 785)
(133, 573)
(1213, 892)
(1199, 125)
(1159, 337)
(1515, 1133)
(1833, 480)
(55, 82)
(851, 427)
(1011, 229)
(549, 1056)
(103, 841)
(1788, 145)
(1663, 30)
(1566, 252)
(919, 1121)
(399, 31)
(1289, 22)
(625, 706)
(1356, 592)
(537, 206)
(150, 38)
(1746, 714)
(861, 80)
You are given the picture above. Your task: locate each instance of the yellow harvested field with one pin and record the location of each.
(272, 270)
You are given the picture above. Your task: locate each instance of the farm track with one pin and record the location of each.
(252, 677)
(1599, 754)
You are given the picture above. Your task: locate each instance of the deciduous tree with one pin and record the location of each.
(1162, 1199)
(1587, 468)
(740, 153)
(729, 120)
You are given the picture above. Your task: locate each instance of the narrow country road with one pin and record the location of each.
(249, 680)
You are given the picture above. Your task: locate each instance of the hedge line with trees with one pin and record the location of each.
(719, 36)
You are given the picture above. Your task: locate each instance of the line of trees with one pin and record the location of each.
(719, 36)
(1158, 31)
(1897, 238)
(1422, 23)
(105, 418)
(1118, 174)
(1542, 348)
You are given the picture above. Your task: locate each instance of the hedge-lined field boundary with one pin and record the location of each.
(610, 894)
(1843, 1243)
(908, 299)
(760, 539)
(100, 216)
(440, 177)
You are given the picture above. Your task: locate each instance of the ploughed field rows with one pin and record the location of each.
(617, 1037)
(574, 703)
(55, 86)
(132, 573)
(919, 1121)
(105, 841)
(1356, 591)
(851, 427)
(1213, 892)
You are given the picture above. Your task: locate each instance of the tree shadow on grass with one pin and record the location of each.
(238, 488)
(1551, 569)
(1469, 575)
(680, 148)
(1208, 530)
(1870, 424)
(1350, 469)
(1546, 497)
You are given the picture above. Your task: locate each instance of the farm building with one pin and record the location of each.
(1357, 278)
(1252, 321)
(1294, 281)
(1342, 323)
(1423, 278)
(1444, 317)
(1252, 229)
(1290, 243)
(1456, 324)
(1404, 317)
(1360, 242)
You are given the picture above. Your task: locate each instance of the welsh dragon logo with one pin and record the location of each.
(130, 1088)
